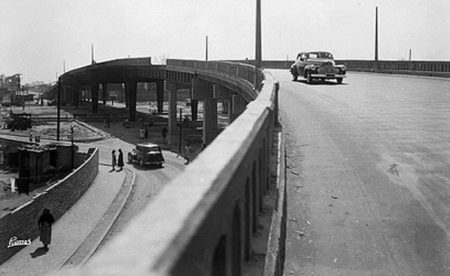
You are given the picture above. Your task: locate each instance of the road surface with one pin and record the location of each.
(148, 182)
(368, 175)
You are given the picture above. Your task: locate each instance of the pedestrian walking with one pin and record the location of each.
(113, 160)
(45, 228)
(187, 153)
(120, 160)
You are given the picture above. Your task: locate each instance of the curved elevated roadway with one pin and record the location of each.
(368, 175)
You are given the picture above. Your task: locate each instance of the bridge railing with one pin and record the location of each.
(235, 70)
(203, 221)
(433, 68)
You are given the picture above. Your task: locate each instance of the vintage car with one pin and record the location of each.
(317, 65)
(146, 154)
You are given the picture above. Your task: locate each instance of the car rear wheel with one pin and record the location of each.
(294, 74)
(339, 80)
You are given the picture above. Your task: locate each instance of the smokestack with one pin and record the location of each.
(376, 34)
(206, 56)
(258, 35)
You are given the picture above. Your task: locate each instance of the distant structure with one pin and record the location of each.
(11, 83)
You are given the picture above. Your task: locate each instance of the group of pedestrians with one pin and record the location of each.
(116, 161)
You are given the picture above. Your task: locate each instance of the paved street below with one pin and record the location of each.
(368, 175)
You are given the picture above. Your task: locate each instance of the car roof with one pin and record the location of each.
(318, 52)
(147, 145)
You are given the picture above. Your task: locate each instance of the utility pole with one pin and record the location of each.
(206, 57)
(410, 54)
(258, 42)
(64, 66)
(376, 40)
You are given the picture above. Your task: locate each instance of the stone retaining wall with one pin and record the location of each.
(22, 222)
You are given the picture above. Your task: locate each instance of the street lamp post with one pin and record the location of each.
(72, 149)
(179, 141)
(58, 112)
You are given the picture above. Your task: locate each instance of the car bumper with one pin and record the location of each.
(153, 162)
(328, 76)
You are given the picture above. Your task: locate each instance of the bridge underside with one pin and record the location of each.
(92, 83)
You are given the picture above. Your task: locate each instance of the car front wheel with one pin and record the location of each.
(308, 78)
(339, 80)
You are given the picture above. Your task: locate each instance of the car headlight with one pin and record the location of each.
(344, 68)
(313, 67)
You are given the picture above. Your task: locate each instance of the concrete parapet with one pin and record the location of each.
(203, 221)
(274, 262)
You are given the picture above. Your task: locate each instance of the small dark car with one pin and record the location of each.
(317, 65)
(146, 154)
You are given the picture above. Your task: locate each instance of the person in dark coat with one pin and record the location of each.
(113, 161)
(45, 228)
(120, 160)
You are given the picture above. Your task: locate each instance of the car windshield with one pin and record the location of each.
(148, 149)
(315, 55)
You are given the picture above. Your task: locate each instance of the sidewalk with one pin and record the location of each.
(88, 220)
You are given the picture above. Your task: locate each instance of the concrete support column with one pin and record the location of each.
(204, 91)
(76, 97)
(225, 95)
(126, 95)
(229, 109)
(64, 91)
(172, 88)
(130, 92)
(238, 106)
(194, 109)
(160, 96)
(94, 97)
(121, 97)
(225, 104)
(104, 92)
(209, 119)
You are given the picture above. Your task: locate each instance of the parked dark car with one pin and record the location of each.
(317, 65)
(146, 154)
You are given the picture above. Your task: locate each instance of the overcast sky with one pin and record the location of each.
(38, 35)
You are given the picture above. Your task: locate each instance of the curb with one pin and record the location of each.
(102, 135)
(274, 262)
(99, 132)
(90, 245)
